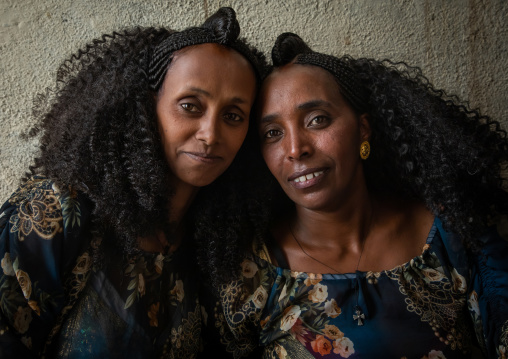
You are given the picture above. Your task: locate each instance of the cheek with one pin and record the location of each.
(341, 143)
(271, 156)
(235, 138)
(166, 134)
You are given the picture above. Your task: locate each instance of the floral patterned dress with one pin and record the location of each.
(438, 305)
(53, 303)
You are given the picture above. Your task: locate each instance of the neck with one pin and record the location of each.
(181, 200)
(347, 226)
(170, 238)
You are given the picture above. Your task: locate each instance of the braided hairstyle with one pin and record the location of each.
(99, 132)
(425, 144)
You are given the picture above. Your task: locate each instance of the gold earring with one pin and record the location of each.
(365, 150)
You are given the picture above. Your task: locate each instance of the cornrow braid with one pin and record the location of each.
(221, 28)
(290, 47)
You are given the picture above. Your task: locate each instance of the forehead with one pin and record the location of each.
(200, 59)
(212, 67)
(295, 83)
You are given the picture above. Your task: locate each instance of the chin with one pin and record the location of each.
(202, 182)
(314, 203)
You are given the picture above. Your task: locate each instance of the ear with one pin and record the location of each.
(365, 130)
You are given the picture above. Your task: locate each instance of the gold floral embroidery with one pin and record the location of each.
(435, 298)
(230, 323)
(83, 264)
(186, 340)
(39, 211)
(372, 277)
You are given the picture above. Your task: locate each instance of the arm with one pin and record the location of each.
(40, 239)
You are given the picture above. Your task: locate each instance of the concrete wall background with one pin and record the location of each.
(461, 45)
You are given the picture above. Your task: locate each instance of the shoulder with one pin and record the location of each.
(39, 207)
(401, 224)
(43, 227)
(404, 215)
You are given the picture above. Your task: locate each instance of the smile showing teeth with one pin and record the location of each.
(308, 176)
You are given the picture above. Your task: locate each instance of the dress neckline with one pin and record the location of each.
(284, 269)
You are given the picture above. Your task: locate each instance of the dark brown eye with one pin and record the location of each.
(318, 120)
(232, 117)
(189, 107)
(272, 133)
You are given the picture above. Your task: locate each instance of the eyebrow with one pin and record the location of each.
(303, 106)
(208, 94)
(312, 104)
(200, 90)
(268, 118)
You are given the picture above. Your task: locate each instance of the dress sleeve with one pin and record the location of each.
(488, 298)
(41, 239)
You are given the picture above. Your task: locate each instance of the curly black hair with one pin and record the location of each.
(99, 132)
(426, 145)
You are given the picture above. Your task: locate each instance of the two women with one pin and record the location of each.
(97, 256)
(380, 244)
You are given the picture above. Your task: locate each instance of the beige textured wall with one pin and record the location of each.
(462, 45)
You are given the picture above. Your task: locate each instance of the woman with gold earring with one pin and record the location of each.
(382, 253)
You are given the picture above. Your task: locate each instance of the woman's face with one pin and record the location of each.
(203, 111)
(310, 137)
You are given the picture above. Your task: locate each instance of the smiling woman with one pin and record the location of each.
(97, 246)
(382, 241)
(307, 117)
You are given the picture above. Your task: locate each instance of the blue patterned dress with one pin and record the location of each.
(54, 303)
(440, 304)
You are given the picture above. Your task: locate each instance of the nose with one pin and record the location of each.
(209, 129)
(298, 145)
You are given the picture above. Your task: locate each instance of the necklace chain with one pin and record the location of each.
(359, 315)
(317, 260)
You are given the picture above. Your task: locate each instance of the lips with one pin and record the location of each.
(307, 178)
(203, 157)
